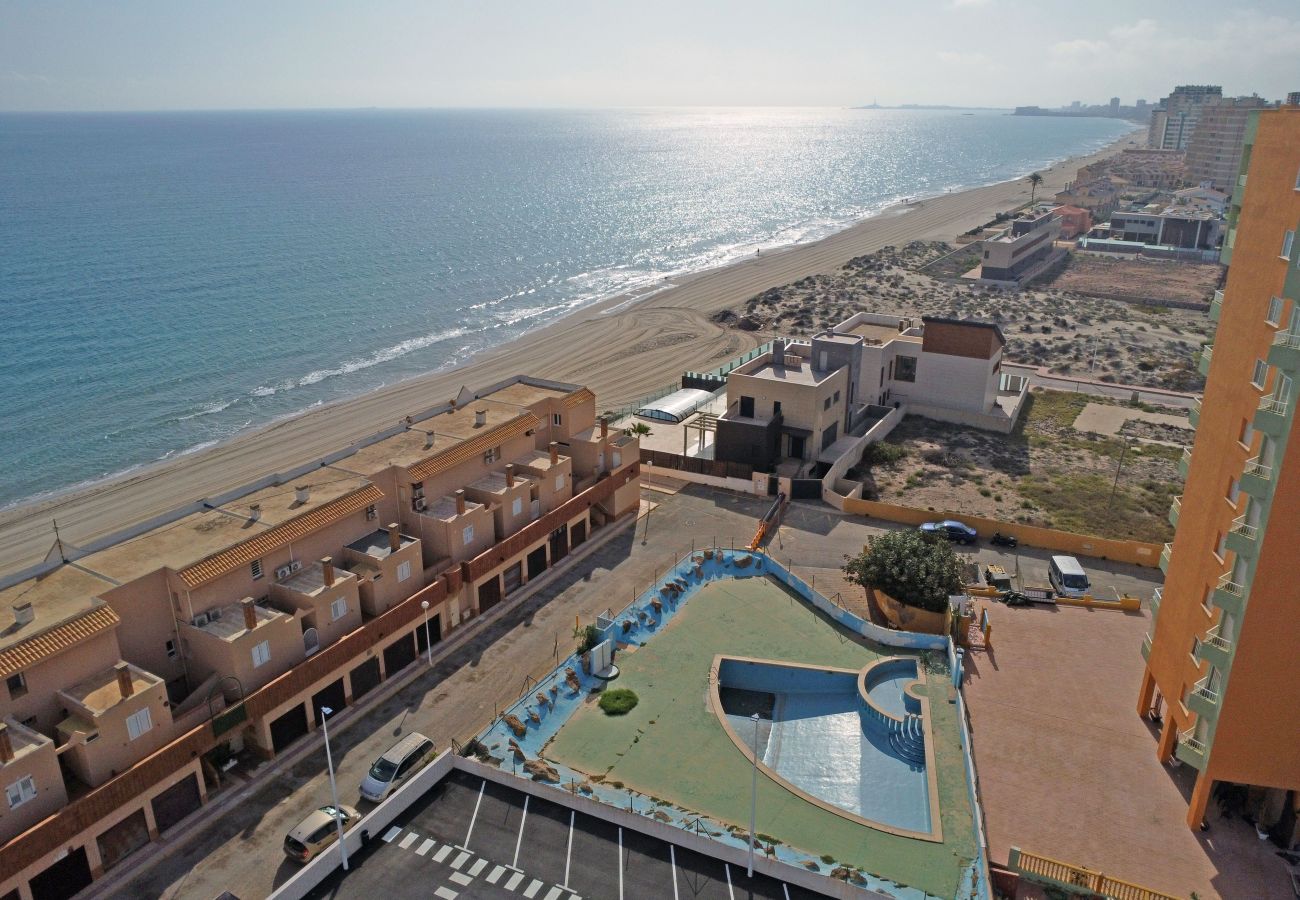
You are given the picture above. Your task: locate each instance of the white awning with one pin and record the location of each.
(676, 406)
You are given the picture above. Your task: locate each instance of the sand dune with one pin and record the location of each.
(621, 350)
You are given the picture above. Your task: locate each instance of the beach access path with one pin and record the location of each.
(622, 349)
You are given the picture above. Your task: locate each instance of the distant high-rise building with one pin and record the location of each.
(1182, 110)
(1114, 107)
(1221, 654)
(1293, 98)
(1075, 104)
(1214, 151)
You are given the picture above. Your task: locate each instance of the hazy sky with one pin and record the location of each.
(184, 54)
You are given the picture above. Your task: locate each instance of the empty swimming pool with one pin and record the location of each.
(852, 740)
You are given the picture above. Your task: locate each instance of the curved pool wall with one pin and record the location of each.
(833, 740)
(718, 565)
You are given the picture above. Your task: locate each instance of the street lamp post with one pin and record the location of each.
(325, 713)
(428, 643)
(753, 801)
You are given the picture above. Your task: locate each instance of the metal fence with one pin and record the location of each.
(699, 466)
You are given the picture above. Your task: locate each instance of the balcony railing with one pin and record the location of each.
(1216, 640)
(1175, 509)
(1188, 739)
(1157, 597)
(1203, 690)
(1203, 359)
(1216, 306)
(1185, 462)
(1242, 528)
(1285, 352)
(1274, 405)
(1165, 555)
(1241, 181)
(1194, 414)
(1228, 586)
(1146, 645)
(1288, 339)
(1256, 469)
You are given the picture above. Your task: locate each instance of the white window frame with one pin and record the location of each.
(139, 723)
(255, 568)
(492, 455)
(1259, 377)
(1275, 306)
(467, 535)
(339, 608)
(1288, 242)
(557, 419)
(517, 506)
(1297, 180)
(403, 570)
(261, 654)
(20, 791)
(559, 482)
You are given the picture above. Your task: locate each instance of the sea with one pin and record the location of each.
(168, 280)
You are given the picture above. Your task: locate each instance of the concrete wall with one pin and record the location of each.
(54, 673)
(213, 655)
(144, 604)
(957, 382)
(42, 764)
(113, 750)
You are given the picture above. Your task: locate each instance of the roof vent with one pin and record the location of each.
(24, 614)
(255, 512)
(480, 418)
(302, 493)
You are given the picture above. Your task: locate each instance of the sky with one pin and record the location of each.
(184, 54)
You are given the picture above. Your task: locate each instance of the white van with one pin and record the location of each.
(1068, 577)
(398, 761)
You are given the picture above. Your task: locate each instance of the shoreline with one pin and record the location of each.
(621, 347)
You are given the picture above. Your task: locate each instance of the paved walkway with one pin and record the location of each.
(1100, 418)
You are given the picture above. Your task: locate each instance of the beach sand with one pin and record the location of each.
(621, 348)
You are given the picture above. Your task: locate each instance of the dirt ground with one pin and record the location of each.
(1044, 473)
(1143, 280)
(1071, 333)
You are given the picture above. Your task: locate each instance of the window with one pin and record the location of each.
(826, 404)
(21, 791)
(17, 685)
(1196, 645)
(556, 420)
(1221, 548)
(747, 407)
(492, 455)
(1247, 436)
(171, 649)
(1274, 316)
(468, 535)
(1234, 491)
(1260, 374)
(776, 408)
(1206, 603)
(403, 571)
(255, 567)
(339, 608)
(1287, 242)
(138, 723)
(559, 483)
(837, 397)
(261, 654)
(906, 369)
(517, 506)
(1297, 181)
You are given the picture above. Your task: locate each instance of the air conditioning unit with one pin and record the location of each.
(371, 513)
(200, 620)
(214, 614)
(420, 504)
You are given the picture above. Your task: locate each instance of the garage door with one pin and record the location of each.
(424, 635)
(63, 879)
(175, 803)
(332, 695)
(123, 839)
(489, 594)
(579, 532)
(399, 655)
(288, 728)
(364, 678)
(537, 562)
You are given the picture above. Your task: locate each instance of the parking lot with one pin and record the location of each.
(470, 838)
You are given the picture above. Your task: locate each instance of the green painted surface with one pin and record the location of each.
(687, 758)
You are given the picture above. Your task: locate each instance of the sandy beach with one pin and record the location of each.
(620, 349)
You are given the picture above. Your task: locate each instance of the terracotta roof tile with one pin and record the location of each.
(286, 532)
(579, 397)
(57, 639)
(475, 446)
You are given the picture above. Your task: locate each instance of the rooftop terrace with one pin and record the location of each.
(100, 692)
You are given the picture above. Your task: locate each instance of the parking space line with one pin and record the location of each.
(514, 881)
(474, 818)
(519, 840)
(620, 862)
(411, 838)
(391, 833)
(479, 866)
(462, 879)
(495, 875)
(554, 893)
(785, 887)
(443, 853)
(672, 857)
(533, 888)
(568, 854)
(424, 848)
(460, 860)
(731, 892)
(445, 893)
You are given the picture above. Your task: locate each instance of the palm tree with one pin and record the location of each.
(1034, 181)
(637, 429)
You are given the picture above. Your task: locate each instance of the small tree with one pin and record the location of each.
(588, 638)
(915, 569)
(637, 429)
(1034, 181)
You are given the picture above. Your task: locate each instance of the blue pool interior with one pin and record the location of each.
(817, 733)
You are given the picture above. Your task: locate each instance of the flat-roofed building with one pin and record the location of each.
(1021, 249)
(115, 718)
(31, 777)
(1214, 150)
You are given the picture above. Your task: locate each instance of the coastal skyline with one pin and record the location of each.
(138, 56)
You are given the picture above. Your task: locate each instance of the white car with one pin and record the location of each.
(398, 761)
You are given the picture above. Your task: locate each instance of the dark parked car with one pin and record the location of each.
(953, 530)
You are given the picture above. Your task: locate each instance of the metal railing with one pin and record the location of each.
(1157, 597)
(1228, 586)
(1288, 339)
(1239, 526)
(1187, 456)
(1166, 554)
(1203, 690)
(1217, 640)
(1257, 469)
(1045, 867)
(1188, 739)
(1146, 644)
(1274, 405)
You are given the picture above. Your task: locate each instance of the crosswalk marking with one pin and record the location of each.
(532, 889)
(445, 893)
(443, 853)
(553, 893)
(478, 866)
(391, 833)
(462, 879)
(460, 860)
(411, 838)
(514, 881)
(426, 846)
(495, 875)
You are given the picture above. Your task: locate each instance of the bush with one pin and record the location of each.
(882, 453)
(588, 638)
(915, 569)
(618, 702)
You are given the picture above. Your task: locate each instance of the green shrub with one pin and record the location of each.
(587, 638)
(618, 702)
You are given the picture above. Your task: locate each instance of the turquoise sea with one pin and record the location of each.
(170, 279)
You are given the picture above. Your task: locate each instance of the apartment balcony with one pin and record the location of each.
(1285, 352)
(1242, 538)
(1214, 649)
(1241, 181)
(1157, 597)
(1216, 306)
(1190, 750)
(1174, 509)
(1203, 700)
(1257, 479)
(1165, 554)
(1185, 463)
(1272, 417)
(1194, 414)
(1229, 596)
(1146, 645)
(1203, 358)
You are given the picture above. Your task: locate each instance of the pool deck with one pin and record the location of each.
(671, 746)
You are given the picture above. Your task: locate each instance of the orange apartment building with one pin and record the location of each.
(133, 674)
(1221, 655)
